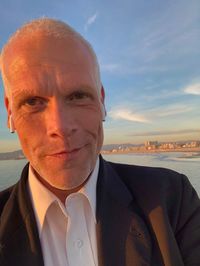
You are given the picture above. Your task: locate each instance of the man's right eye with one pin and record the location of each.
(35, 103)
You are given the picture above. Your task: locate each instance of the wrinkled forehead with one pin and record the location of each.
(47, 50)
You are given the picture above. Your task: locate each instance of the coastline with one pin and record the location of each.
(149, 151)
(190, 152)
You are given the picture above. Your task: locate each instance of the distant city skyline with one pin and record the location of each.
(149, 59)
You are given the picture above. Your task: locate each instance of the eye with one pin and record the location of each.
(79, 96)
(35, 103)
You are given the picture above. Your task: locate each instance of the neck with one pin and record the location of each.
(60, 193)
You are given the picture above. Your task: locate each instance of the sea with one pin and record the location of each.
(185, 163)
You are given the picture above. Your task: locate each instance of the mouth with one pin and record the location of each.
(66, 154)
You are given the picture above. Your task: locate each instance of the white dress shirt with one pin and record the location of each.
(67, 232)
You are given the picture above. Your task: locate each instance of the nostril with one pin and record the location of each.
(61, 130)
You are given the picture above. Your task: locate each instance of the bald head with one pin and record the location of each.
(34, 36)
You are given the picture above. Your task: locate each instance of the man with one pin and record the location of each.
(70, 206)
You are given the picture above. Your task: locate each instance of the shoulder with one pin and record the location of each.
(153, 176)
(10, 194)
(152, 185)
(5, 196)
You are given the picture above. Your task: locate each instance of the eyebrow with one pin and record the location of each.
(24, 94)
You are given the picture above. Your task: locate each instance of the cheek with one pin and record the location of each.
(30, 133)
(29, 124)
(28, 140)
(91, 122)
(94, 127)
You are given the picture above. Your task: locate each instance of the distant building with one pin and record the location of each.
(151, 145)
(195, 144)
(169, 145)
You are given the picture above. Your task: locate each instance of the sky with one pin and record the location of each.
(149, 56)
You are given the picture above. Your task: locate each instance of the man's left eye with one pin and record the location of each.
(79, 96)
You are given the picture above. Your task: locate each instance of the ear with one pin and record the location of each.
(7, 105)
(102, 94)
(10, 123)
(103, 103)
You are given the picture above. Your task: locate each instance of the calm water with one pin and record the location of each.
(10, 170)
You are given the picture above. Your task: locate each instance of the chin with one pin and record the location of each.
(67, 181)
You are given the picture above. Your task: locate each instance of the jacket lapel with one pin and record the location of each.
(122, 236)
(18, 229)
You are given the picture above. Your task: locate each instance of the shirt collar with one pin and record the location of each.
(42, 198)
(89, 189)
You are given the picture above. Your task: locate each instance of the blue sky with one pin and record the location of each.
(149, 54)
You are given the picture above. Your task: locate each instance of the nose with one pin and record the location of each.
(60, 121)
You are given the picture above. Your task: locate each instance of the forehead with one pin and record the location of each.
(47, 51)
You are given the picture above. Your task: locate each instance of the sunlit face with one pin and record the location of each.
(56, 108)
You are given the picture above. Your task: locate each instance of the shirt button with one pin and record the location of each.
(79, 243)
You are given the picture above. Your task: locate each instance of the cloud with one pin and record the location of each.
(163, 94)
(165, 132)
(193, 89)
(172, 110)
(91, 20)
(156, 45)
(150, 115)
(125, 114)
(169, 110)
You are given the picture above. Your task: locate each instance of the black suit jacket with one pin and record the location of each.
(145, 216)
